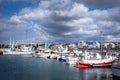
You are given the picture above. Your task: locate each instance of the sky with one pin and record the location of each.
(59, 20)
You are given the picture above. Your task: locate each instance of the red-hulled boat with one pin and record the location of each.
(95, 60)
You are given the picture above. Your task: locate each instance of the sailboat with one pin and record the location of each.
(10, 48)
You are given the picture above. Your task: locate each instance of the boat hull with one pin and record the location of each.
(93, 65)
(44, 55)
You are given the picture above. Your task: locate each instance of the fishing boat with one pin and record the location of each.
(7, 50)
(62, 57)
(25, 48)
(71, 59)
(95, 60)
(43, 53)
(54, 54)
(69, 56)
(10, 47)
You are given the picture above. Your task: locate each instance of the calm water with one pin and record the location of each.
(25, 67)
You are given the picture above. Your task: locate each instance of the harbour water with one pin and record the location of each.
(26, 67)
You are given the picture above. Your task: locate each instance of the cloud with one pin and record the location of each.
(69, 20)
(8, 1)
(77, 19)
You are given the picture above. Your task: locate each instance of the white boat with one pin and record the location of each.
(54, 54)
(10, 48)
(17, 52)
(44, 54)
(62, 57)
(25, 48)
(72, 60)
(95, 60)
(69, 58)
(116, 68)
(7, 50)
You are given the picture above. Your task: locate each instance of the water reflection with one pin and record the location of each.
(95, 74)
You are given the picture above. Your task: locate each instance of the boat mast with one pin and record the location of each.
(10, 43)
(46, 44)
(12, 46)
(100, 41)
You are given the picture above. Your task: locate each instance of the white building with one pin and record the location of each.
(119, 45)
(112, 45)
(96, 45)
(82, 44)
(106, 45)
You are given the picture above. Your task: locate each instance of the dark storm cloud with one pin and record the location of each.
(55, 28)
(115, 14)
(99, 3)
